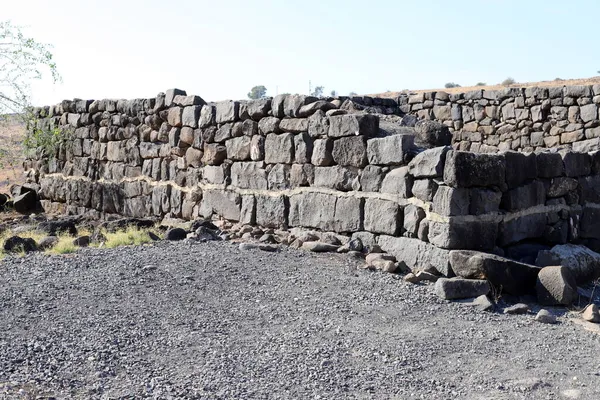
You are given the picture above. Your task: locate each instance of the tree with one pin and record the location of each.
(508, 81)
(333, 93)
(480, 84)
(22, 60)
(318, 91)
(257, 92)
(451, 85)
(352, 94)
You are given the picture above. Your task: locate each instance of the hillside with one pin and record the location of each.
(562, 82)
(12, 133)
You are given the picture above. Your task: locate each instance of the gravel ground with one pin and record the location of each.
(206, 320)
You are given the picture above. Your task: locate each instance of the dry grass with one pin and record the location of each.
(12, 133)
(130, 236)
(64, 246)
(563, 82)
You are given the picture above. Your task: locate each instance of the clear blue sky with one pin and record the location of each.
(219, 49)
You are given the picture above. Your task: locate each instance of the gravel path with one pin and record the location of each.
(177, 320)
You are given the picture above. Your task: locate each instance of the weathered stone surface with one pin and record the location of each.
(459, 288)
(339, 178)
(457, 233)
(269, 125)
(576, 164)
(365, 125)
(561, 186)
(545, 317)
(279, 149)
(257, 148)
(279, 177)
(417, 255)
(325, 212)
(371, 179)
(432, 134)
(25, 203)
(294, 125)
(517, 228)
(520, 168)
(322, 153)
(214, 174)
(191, 116)
(413, 216)
(303, 148)
(556, 286)
(504, 274)
(429, 163)
(390, 150)
(424, 189)
(451, 201)
(319, 247)
(193, 157)
(238, 149)
(227, 111)
(271, 211)
(549, 165)
(249, 175)
(398, 181)
(350, 151)
(293, 103)
(214, 154)
(484, 201)
(382, 216)
(302, 175)
(225, 203)
(464, 169)
(523, 197)
(258, 108)
(583, 263)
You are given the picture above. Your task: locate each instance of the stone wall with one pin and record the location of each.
(297, 161)
(524, 119)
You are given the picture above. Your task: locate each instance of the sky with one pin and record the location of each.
(220, 49)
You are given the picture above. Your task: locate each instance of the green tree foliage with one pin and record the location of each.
(508, 81)
(22, 60)
(451, 85)
(333, 93)
(257, 92)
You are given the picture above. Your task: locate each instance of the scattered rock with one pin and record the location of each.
(47, 243)
(459, 288)
(556, 285)
(370, 258)
(82, 241)
(175, 234)
(383, 265)
(16, 244)
(411, 278)
(256, 246)
(519, 308)
(267, 238)
(591, 313)
(352, 245)
(124, 223)
(319, 247)
(545, 317)
(153, 236)
(512, 276)
(427, 276)
(583, 262)
(483, 303)
(53, 228)
(204, 234)
(25, 203)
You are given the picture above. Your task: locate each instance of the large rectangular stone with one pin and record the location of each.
(417, 255)
(279, 149)
(383, 216)
(249, 175)
(525, 196)
(389, 150)
(227, 111)
(514, 229)
(451, 201)
(224, 203)
(338, 178)
(459, 233)
(271, 211)
(429, 163)
(399, 182)
(465, 169)
(326, 212)
(350, 151)
(353, 125)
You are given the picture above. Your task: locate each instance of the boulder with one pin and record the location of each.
(175, 234)
(459, 288)
(583, 263)
(556, 286)
(59, 226)
(545, 317)
(47, 243)
(465, 169)
(3, 199)
(15, 244)
(432, 134)
(504, 274)
(82, 241)
(591, 314)
(25, 203)
(417, 255)
(429, 163)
